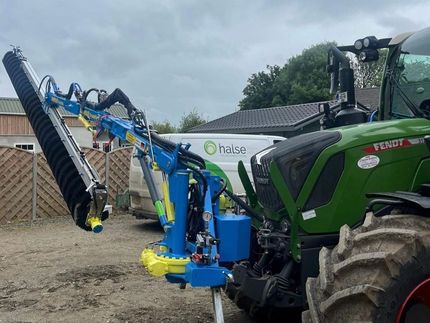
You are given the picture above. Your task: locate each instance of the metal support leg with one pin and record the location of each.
(217, 304)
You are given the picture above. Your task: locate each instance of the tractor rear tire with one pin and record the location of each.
(370, 273)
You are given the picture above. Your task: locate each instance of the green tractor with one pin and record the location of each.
(341, 226)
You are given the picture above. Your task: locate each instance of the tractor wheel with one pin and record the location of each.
(378, 272)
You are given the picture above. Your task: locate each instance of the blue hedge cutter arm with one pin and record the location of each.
(189, 250)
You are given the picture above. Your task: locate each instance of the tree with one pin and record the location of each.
(369, 74)
(259, 90)
(163, 127)
(190, 120)
(302, 79)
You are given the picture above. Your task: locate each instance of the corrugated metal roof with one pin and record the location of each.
(287, 117)
(13, 106)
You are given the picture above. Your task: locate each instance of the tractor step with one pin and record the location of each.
(401, 199)
(425, 190)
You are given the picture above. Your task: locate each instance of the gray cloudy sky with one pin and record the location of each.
(172, 56)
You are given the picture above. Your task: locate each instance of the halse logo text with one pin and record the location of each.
(232, 149)
(211, 148)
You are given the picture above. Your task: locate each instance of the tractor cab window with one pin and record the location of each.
(413, 77)
(414, 69)
(410, 87)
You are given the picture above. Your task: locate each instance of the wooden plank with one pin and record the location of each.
(119, 169)
(16, 186)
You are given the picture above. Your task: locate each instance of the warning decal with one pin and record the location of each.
(130, 138)
(368, 162)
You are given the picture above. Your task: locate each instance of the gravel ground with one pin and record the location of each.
(52, 271)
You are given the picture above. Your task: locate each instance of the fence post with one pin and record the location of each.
(34, 188)
(107, 165)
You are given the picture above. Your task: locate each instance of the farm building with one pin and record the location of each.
(286, 121)
(16, 131)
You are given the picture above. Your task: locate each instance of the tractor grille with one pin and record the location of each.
(266, 192)
(294, 158)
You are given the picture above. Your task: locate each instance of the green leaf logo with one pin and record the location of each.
(210, 147)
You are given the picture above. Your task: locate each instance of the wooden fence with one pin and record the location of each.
(28, 189)
(16, 184)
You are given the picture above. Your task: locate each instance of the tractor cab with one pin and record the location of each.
(405, 89)
(406, 94)
(406, 86)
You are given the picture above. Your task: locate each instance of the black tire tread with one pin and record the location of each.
(357, 277)
(68, 179)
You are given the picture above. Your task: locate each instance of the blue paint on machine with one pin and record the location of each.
(234, 232)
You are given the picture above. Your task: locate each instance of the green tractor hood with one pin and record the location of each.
(318, 175)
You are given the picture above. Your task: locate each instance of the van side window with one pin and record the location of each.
(275, 141)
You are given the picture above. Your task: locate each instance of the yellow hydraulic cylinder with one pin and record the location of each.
(86, 123)
(168, 205)
(222, 203)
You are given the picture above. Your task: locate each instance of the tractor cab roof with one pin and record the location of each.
(417, 43)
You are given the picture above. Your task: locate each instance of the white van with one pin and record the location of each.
(221, 152)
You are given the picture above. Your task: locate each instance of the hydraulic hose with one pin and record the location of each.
(217, 194)
(244, 206)
(184, 153)
(119, 96)
(116, 96)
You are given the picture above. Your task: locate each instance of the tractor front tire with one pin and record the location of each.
(368, 276)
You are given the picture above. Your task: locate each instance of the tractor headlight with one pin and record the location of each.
(368, 55)
(362, 56)
(358, 44)
(366, 42)
(370, 42)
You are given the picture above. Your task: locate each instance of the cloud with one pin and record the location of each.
(173, 56)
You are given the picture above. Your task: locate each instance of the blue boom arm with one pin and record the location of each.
(191, 249)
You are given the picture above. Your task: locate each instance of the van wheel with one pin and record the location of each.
(378, 272)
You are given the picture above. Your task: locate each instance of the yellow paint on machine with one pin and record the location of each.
(170, 212)
(86, 124)
(159, 265)
(95, 223)
(130, 138)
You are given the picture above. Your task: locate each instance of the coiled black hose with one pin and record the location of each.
(71, 185)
